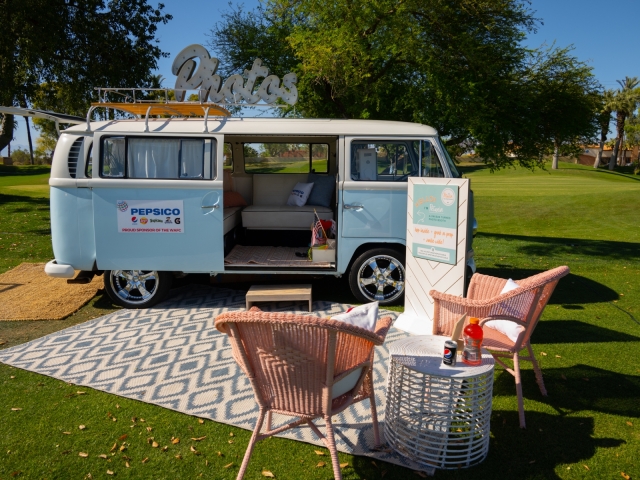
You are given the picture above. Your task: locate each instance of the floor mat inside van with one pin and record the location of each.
(270, 256)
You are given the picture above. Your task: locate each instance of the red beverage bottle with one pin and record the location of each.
(472, 336)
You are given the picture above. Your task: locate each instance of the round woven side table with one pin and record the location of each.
(436, 414)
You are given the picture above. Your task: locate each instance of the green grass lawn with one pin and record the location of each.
(588, 345)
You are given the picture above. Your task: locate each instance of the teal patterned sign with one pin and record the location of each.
(435, 223)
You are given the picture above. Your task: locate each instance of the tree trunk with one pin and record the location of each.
(556, 155)
(26, 119)
(620, 120)
(614, 155)
(6, 132)
(596, 164)
(23, 104)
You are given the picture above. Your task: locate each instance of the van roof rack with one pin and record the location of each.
(154, 106)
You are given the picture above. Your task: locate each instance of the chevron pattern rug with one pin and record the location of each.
(172, 356)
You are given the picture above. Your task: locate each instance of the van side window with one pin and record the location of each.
(227, 161)
(393, 161)
(286, 157)
(157, 158)
(113, 155)
(88, 171)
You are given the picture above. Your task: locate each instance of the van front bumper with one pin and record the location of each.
(57, 270)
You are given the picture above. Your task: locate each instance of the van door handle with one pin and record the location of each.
(217, 205)
(355, 207)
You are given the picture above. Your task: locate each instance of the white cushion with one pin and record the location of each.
(507, 327)
(274, 188)
(299, 195)
(364, 316)
(346, 384)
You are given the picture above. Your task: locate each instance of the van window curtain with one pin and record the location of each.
(153, 158)
(192, 158)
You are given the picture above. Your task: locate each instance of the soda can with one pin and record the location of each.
(450, 351)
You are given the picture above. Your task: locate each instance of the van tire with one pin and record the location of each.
(155, 287)
(373, 266)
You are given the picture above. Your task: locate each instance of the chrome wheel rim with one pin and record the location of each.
(134, 286)
(381, 278)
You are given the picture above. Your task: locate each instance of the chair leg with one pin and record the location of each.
(331, 445)
(252, 442)
(536, 369)
(516, 371)
(374, 414)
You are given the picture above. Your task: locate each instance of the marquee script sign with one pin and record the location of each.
(202, 76)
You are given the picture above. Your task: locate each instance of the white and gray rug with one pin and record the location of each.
(173, 356)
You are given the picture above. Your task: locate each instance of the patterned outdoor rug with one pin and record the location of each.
(173, 356)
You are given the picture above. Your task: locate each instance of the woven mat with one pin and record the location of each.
(27, 293)
(272, 256)
(172, 356)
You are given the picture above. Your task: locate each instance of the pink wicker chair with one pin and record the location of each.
(523, 306)
(294, 362)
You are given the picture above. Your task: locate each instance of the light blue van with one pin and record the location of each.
(146, 200)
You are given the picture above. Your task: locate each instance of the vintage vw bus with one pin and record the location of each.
(146, 199)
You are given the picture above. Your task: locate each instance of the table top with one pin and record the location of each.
(423, 353)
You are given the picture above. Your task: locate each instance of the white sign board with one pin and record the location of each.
(436, 247)
(150, 216)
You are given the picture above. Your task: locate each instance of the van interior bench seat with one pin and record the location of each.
(283, 217)
(231, 218)
(270, 211)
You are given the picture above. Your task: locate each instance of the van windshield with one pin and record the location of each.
(452, 166)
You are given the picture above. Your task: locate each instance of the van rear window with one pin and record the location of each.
(157, 158)
(286, 157)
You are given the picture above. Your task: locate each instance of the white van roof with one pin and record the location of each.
(262, 126)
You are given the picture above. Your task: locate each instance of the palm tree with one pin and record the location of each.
(625, 105)
(604, 117)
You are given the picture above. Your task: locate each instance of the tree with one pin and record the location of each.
(604, 119)
(20, 156)
(458, 65)
(57, 51)
(625, 104)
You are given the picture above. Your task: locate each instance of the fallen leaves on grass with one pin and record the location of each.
(126, 464)
(179, 457)
(83, 454)
(344, 465)
(231, 434)
(198, 439)
(630, 424)
(175, 440)
(220, 454)
(102, 455)
(544, 354)
(66, 433)
(155, 444)
(123, 447)
(109, 472)
(192, 448)
(81, 427)
(145, 459)
(320, 464)
(586, 468)
(115, 445)
(625, 476)
(165, 448)
(16, 409)
(231, 441)
(319, 452)
(122, 437)
(228, 465)
(267, 473)
(200, 421)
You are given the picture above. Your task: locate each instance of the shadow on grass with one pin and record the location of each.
(549, 246)
(574, 331)
(24, 170)
(570, 291)
(549, 441)
(34, 202)
(575, 389)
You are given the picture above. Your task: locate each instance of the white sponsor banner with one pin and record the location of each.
(150, 216)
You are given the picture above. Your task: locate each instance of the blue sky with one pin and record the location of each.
(603, 33)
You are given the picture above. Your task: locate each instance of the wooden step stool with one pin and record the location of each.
(276, 293)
